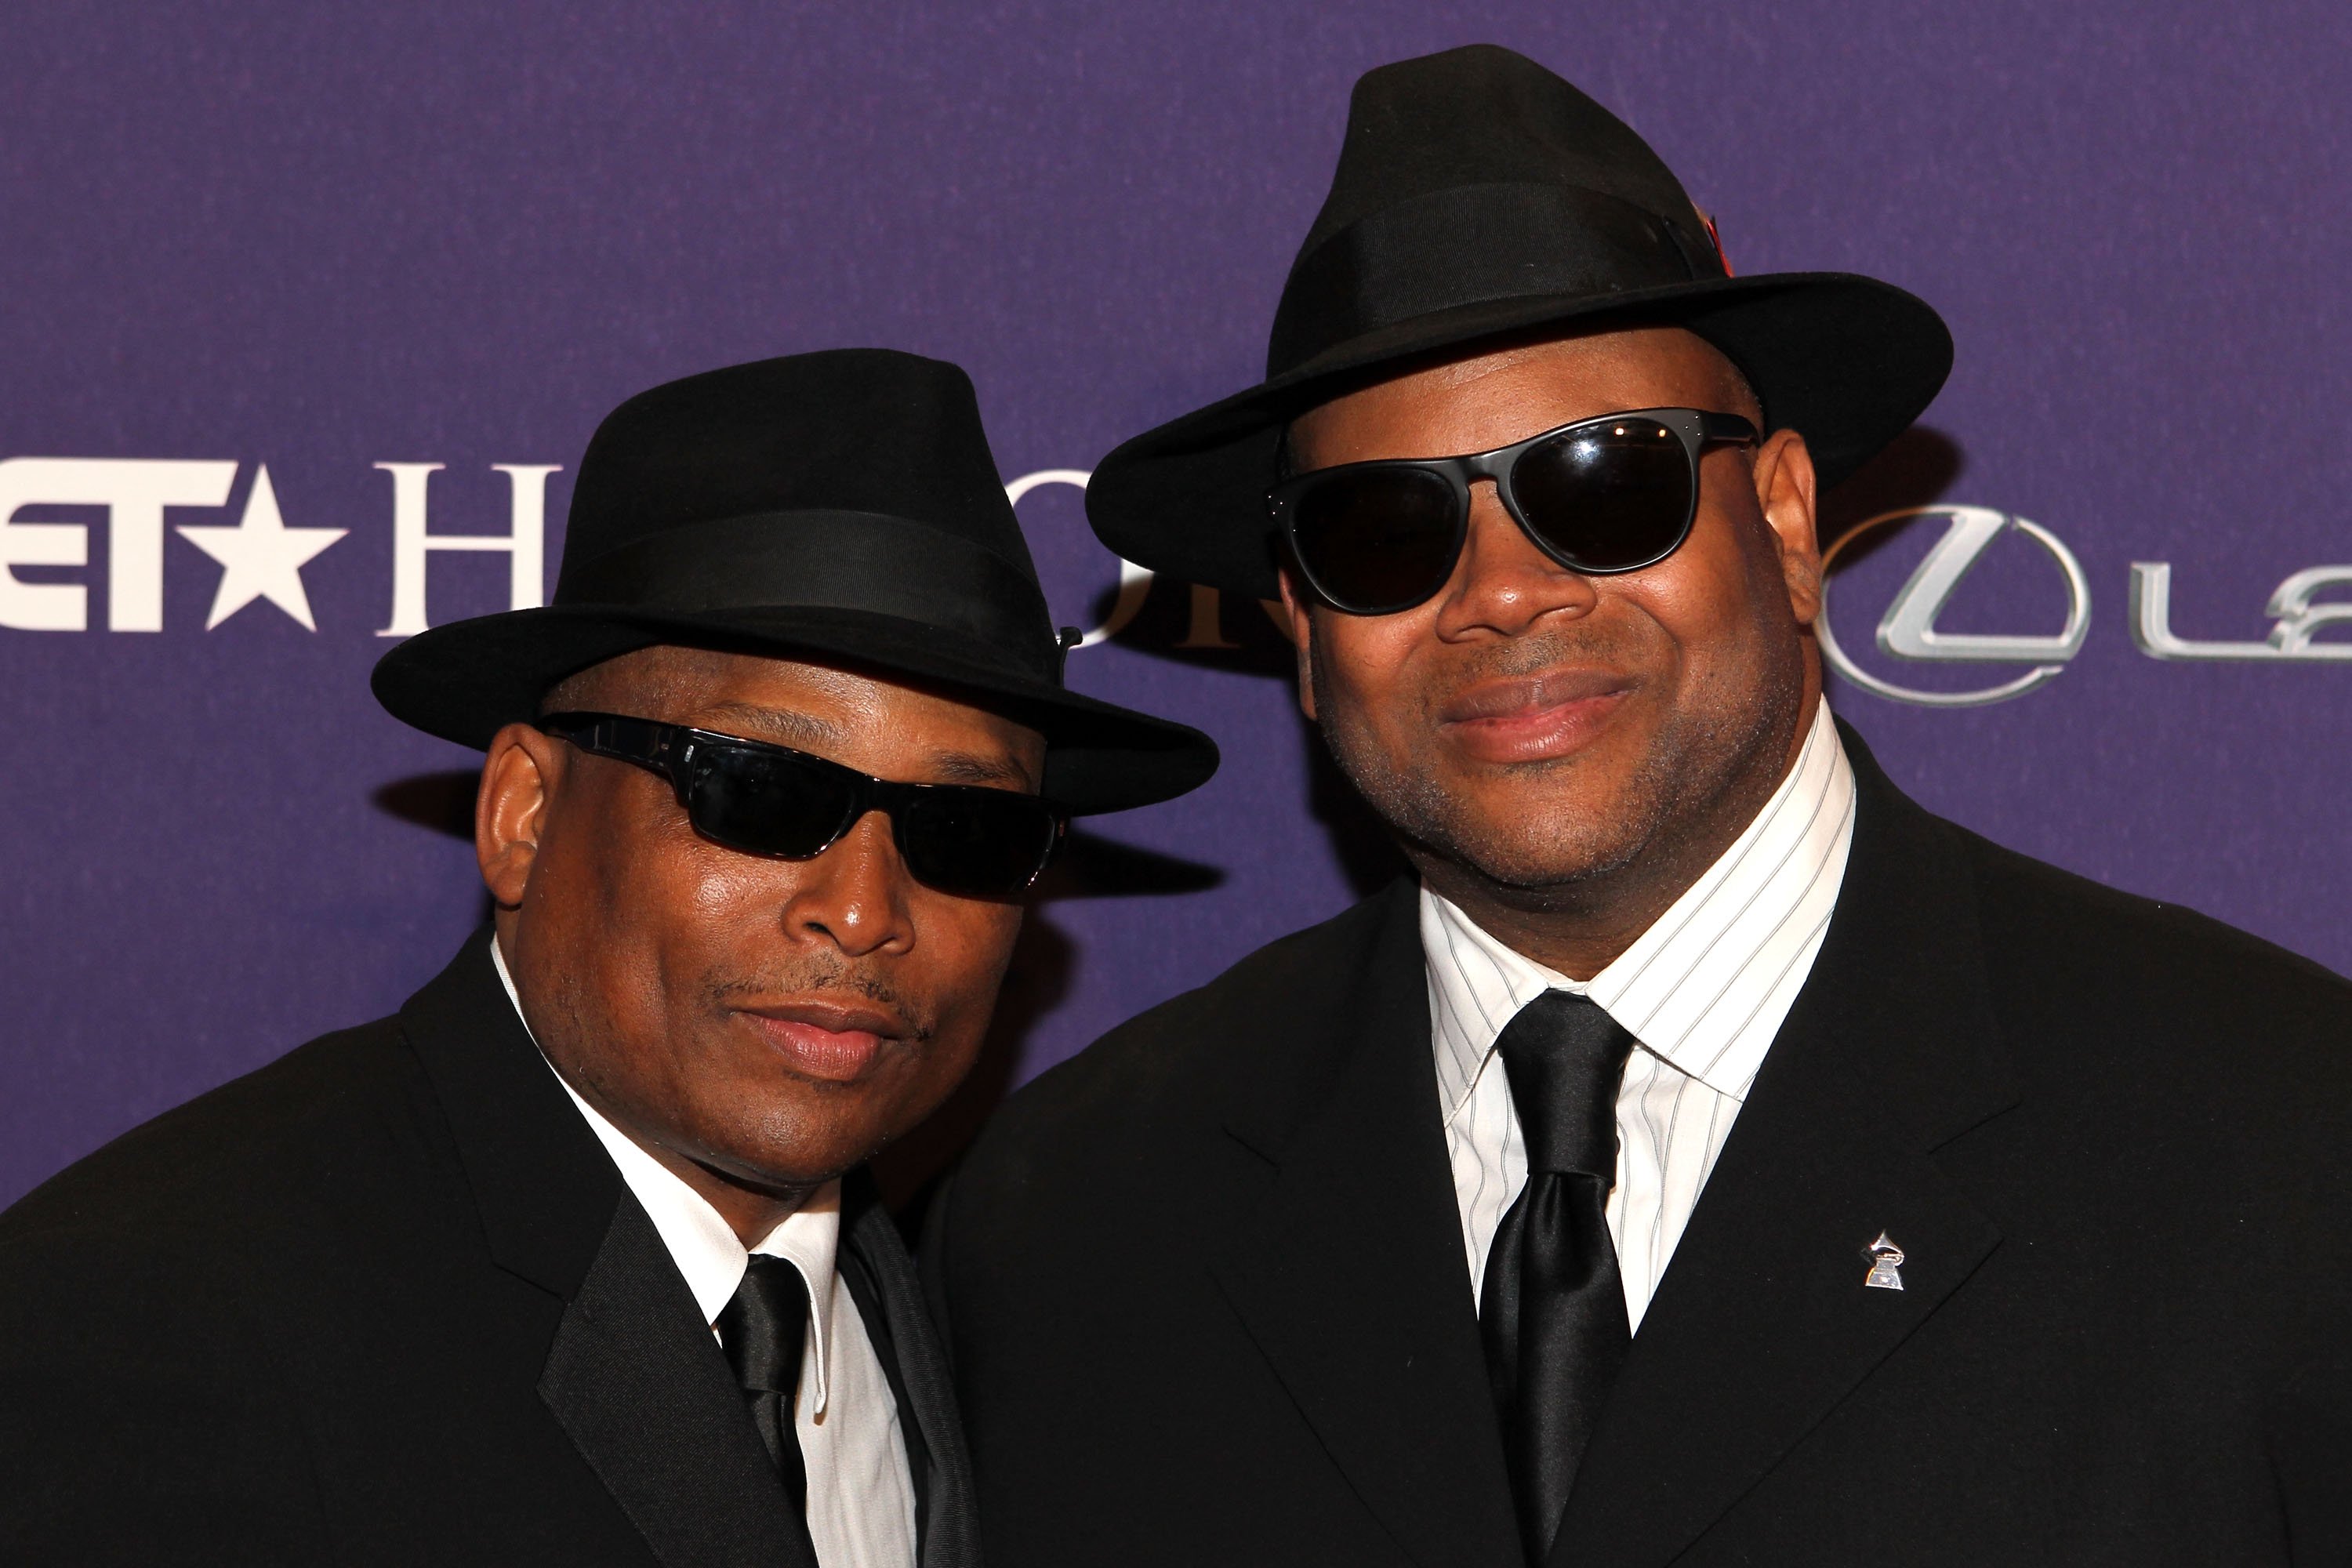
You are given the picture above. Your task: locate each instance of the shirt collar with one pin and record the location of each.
(702, 1244)
(1733, 932)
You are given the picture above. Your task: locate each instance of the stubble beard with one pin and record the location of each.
(1710, 756)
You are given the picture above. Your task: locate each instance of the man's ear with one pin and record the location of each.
(519, 778)
(1785, 494)
(1299, 611)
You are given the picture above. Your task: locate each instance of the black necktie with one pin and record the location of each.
(1553, 1313)
(763, 1330)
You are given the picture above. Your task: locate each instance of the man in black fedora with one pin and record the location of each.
(572, 1260)
(1708, 1156)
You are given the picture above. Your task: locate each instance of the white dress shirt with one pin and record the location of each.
(861, 1495)
(1704, 990)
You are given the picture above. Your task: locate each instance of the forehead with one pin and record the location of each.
(1490, 399)
(870, 721)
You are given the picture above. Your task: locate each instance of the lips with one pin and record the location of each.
(1532, 717)
(834, 1042)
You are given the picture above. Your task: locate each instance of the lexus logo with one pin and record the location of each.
(1907, 630)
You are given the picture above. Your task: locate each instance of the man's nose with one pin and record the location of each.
(1503, 584)
(854, 896)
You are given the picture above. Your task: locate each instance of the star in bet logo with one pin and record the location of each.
(261, 558)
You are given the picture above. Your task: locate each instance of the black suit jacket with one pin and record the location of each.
(1205, 1291)
(388, 1300)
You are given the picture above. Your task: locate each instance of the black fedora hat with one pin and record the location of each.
(840, 506)
(1479, 196)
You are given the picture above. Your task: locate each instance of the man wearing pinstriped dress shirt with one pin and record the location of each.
(1703, 991)
(1707, 1156)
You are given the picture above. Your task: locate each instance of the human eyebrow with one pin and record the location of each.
(971, 767)
(805, 732)
(802, 731)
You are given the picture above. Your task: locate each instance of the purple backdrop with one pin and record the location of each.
(321, 239)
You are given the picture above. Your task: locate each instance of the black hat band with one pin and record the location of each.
(856, 560)
(1501, 240)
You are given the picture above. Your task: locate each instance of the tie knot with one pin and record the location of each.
(1565, 1056)
(763, 1326)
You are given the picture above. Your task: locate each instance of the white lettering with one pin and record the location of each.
(134, 491)
(525, 542)
(2294, 619)
(1134, 582)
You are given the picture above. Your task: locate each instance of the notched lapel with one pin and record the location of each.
(542, 1184)
(1763, 1324)
(633, 1373)
(637, 1380)
(1348, 1271)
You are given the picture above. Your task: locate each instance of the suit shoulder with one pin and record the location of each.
(223, 1164)
(1195, 1034)
(2174, 980)
(2164, 943)
(1171, 1059)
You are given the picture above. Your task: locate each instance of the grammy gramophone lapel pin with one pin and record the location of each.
(1885, 1264)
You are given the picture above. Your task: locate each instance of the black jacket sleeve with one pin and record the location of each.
(139, 1418)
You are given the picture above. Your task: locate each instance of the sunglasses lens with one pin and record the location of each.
(767, 804)
(976, 843)
(1376, 540)
(1608, 497)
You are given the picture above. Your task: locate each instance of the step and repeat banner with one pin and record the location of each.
(307, 311)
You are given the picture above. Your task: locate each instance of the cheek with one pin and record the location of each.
(673, 904)
(1712, 598)
(1365, 668)
(724, 890)
(970, 946)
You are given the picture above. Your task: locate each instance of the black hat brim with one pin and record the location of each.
(466, 680)
(1846, 361)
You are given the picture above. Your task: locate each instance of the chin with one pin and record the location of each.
(796, 1146)
(800, 1165)
(1531, 857)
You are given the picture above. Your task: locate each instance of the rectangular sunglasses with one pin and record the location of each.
(1609, 494)
(762, 799)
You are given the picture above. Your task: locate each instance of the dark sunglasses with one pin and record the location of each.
(1612, 494)
(965, 839)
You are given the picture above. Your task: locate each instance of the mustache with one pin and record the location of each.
(830, 977)
(1534, 654)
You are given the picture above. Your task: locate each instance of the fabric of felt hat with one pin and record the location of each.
(840, 506)
(866, 430)
(1480, 198)
(1485, 115)
(1446, 151)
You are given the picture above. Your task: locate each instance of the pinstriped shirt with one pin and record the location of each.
(1703, 991)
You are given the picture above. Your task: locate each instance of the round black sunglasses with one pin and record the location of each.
(1611, 494)
(762, 799)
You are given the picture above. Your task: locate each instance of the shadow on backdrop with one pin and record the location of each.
(442, 802)
(1231, 634)
(1914, 470)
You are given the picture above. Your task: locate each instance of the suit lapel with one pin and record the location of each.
(542, 1184)
(881, 1281)
(637, 1380)
(1346, 1266)
(1762, 1322)
(633, 1374)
